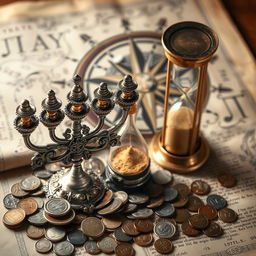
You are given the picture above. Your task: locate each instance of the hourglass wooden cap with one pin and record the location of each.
(189, 44)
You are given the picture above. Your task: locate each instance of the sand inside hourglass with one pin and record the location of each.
(129, 160)
(178, 129)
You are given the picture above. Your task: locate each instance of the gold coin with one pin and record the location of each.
(163, 246)
(198, 221)
(227, 215)
(62, 220)
(144, 226)
(92, 227)
(29, 205)
(14, 217)
(194, 203)
(181, 215)
(188, 230)
(34, 232)
(208, 211)
(17, 191)
(227, 180)
(112, 222)
(128, 227)
(124, 249)
(144, 240)
(213, 230)
(200, 187)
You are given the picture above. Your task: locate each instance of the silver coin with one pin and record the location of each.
(165, 210)
(30, 183)
(91, 247)
(170, 194)
(112, 207)
(38, 218)
(138, 198)
(162, 177)
(40, 201)
(52, 167)
(107, 244)
(123, 196)
(76, 237)
(109, 195)
(64, 248)
(121, 236)
(143, 213)
(218, 202)
(130, 208)
(130, 217)
(10, 201)
(42, 174)
(43, 245)
(55, 234)
(164, 229)
(57, 207)
(95, 164)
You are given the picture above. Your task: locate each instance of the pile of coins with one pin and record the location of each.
(153, 216)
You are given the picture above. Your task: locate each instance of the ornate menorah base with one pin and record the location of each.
(83, 191)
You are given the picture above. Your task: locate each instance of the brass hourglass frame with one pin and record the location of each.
(187, 45)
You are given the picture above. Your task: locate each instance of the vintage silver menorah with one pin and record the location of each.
(82, 188)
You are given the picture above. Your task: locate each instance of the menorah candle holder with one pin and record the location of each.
(82, 188)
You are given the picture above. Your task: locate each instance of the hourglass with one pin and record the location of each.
(188, 47)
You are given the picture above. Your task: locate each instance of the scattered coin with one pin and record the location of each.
(124, 249)
(144, 240)
(79, 218)
(200, 187)
(162, 177)
(14, 217)
(198, 221)
(181, 215)
(167, 219)
(170, 194)
(227, 215)
(138, 198)
(180, 202)
(144, 226)
(153, 190)
(163, 246)
(164, 229)
(92, 227)
(57, 207)
(155, 202)
(10, 201)
(183, 189)
(213, 230)
(42, 174)
(112, 207)
(64, 248)
(107, 244)
(128, 227)
(109, 195)
(43, 246)
(208, 211)
(38, 218)
(62, 220)
(188, 230)
(123, 196)
(91, 247)
(34, 232)
(129, 207)
(227, 180)
(29, 205)
(38, 192)
(40, 202)
(17, 191)
(143, 213)
(112, 222)
(194, 203)
(30, 183)
(55, 234)
(166, 210)
(52, 167)
(218, 202)
(121, 236)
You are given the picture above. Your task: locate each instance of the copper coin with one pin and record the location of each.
(109, 195)
(112, 207)
(155, 202)
(208, 211)
(167, 219)
(29, 205)
(17, 191)
(112, 222)
(227, 215)
(14, 217)
(123, 196)
(144, 240)
(198, 221)
(43, 246)
(227, 180)
(153, 190)
(34, 232)
(194, 203)
(163, 246)
(30, 183)
(38, 192)
(200, 187)
(188, 230)
(79, 218)
(183, 189)
(124, 249)
(213, 230)
(181, 215)
(107, 244)
(128, 227)
(144, 226)
(62, 220)
(93, 227)
(181, 201)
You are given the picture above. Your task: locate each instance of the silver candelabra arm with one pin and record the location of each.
(55, 138)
